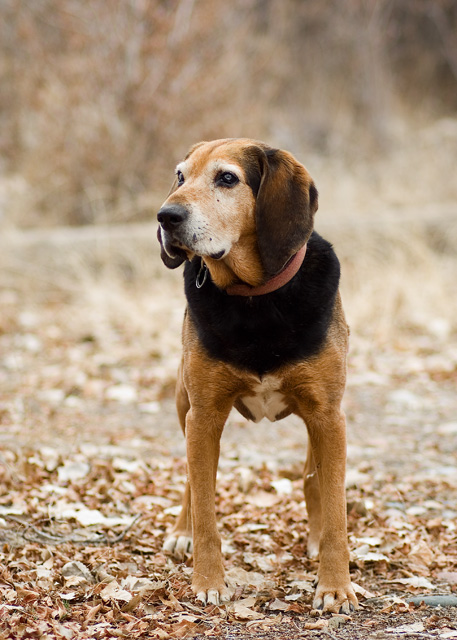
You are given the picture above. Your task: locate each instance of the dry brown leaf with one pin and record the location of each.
(409, 629)
(27, 595)
(421, 554)
(361, 591)
(279, 605)
(264, 624)
(113, 591)
(133, 603)
(263, 499)
(241, 609)
(91, 614)
(416, 582)
(319, 624)
(172, 602)
(76, 569)
(184, 629)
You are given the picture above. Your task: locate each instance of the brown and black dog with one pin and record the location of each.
(264, 331)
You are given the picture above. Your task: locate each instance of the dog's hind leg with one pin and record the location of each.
(179, 542)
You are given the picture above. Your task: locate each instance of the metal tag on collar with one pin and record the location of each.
(201, 275)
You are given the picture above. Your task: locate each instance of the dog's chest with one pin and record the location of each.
(264, 401)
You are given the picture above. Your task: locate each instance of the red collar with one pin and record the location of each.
(278, 281)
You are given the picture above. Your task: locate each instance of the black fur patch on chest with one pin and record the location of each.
(262, 333)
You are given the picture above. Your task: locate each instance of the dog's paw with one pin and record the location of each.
(217, 596)
(335, 600)
(179, 545)
(208, 580)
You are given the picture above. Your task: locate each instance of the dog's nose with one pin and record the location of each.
(172, 216)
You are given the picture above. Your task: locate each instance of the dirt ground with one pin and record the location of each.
(93, 468)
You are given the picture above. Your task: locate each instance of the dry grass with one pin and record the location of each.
(398, 276)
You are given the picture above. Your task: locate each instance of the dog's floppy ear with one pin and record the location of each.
(285, 207)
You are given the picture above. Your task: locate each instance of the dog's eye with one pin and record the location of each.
(227, 179)
(180, 177)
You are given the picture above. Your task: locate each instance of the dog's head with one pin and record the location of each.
(236, 197)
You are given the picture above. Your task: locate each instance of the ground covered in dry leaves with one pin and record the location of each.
(93, 469)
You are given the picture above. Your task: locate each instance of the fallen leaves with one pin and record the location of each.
(122, 579)
(93, 472)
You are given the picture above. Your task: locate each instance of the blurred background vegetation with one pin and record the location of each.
(99, 100)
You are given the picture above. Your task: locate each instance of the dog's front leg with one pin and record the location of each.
(327, 433)
(203, 431)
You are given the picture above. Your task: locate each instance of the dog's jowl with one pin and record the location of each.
(264, 331)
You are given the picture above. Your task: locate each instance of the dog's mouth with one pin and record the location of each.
(178, 252)
(173, 248)
(217, 256)
(175, 252)
(177, 247)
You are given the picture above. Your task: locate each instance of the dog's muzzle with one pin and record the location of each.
(171, 219)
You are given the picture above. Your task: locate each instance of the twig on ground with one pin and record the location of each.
(56, 539)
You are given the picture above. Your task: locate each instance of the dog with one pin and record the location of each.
(264, 331)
